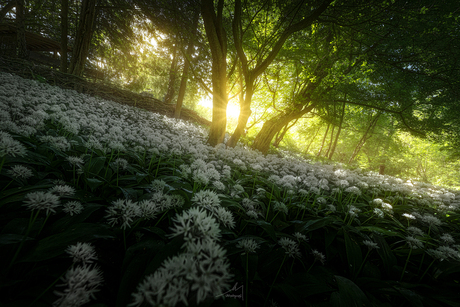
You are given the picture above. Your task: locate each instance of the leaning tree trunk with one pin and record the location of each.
(218, 44)
(22, 51)
(83, 39)
(324, 140)
(272, 126)
(330, 142)
(64, 33)
(364, 138)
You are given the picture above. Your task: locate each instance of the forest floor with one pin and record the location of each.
(95, 87)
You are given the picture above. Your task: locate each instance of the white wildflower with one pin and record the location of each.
(42, 201)
(82, 252)
(72, 207)
(249, 245)
(20, 171)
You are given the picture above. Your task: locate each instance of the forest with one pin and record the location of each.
(229, 152)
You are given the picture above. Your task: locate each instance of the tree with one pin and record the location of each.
(64, 33)
(83, 39)
(22, 52)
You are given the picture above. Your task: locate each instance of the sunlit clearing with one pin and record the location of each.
(233, 110)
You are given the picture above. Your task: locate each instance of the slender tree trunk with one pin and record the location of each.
(364, 138)
(8, 7)
(312, 139)
(280, 135)
(64, 33)
(218, 44)
(184, 78)
(324, 140)
(330, 142)
(172, 76)
(22, 51)
(83, 39)
(338, 132)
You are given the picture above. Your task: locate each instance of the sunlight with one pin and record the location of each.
(233, 110)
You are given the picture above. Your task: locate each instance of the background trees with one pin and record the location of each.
(350, 81)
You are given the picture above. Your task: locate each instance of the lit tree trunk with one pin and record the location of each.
(64, 33)
(22, 52)
(330, 142)
(218, 44)
(172, 76)
(364, 138)
(83, 39)
(312, 139)
(8, 7)
(272, 126)
(324, 139)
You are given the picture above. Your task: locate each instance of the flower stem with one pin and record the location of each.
(273, 283)
(405, 265)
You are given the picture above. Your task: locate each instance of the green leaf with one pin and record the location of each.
(93, 183)
(95, 165)
(267, 227)
(350, 294)
(388, 258)
(316, 224)
(11, 238)
(354, 255)
(55, 245)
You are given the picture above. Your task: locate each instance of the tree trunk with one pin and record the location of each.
(8, 7)
(22, 51)
(218, 44)
(280, 135)
(364, 138)
(338, 132)
(324, 140)
(83, 39)
(64, 33)
(330, 142)
(311, 142)
(272, 126)
(184, 78)
(172, 76)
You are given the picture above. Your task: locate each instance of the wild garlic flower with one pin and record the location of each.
(224, 216)
(201, 271)
(409, 216)
(206, 198)
(219, 185)
(449, 252)
(281, 207)
(20, 171)
(415, 231)
(158, 185)
(318, 256)
(300, 237)
(353, 190)
(122, 211)
(75, 161)
(370, 244)
(58, 142)
(195, 225)
(42, 201)
(82, 252)
(331, 208)
(81, 283)
(290, 246)
(148, 209)
(414, 243)
(379, 213)
(431, 220)
(62, 190)
(252, 214)
(72, 207)
(447, 239)
(249, 245)
(121, 163)
(237, 189)
(10, 146)
(377, 202)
